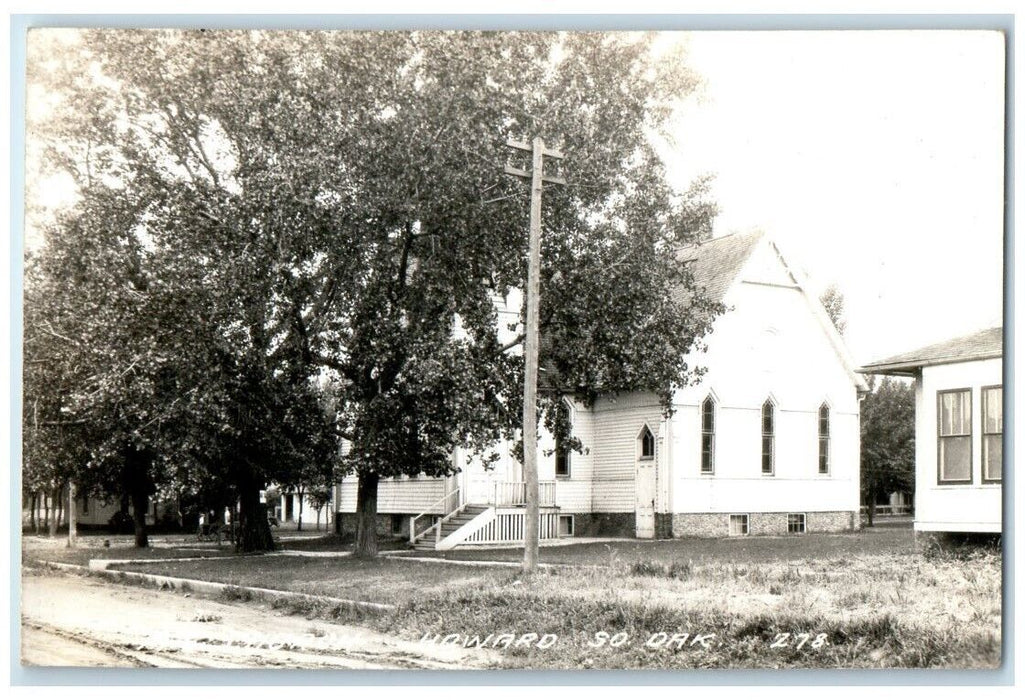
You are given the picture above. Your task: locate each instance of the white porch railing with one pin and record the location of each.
(506, 526)
(450, 501)
(513, 493)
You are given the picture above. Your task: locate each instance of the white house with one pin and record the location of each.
(958, 430)
(766, 443)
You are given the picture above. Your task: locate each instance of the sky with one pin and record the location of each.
(873, 159)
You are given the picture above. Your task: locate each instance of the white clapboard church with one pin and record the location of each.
(766, 444)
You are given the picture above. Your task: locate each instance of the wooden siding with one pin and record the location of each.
(617, 425)
(412, 496)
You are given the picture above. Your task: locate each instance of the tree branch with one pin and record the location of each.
(512, 343)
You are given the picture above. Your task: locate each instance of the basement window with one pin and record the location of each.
(796, 523)
(565, 526)
(739, 525)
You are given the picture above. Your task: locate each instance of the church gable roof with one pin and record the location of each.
(717, 263)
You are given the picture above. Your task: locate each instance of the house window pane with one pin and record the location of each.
(795, 523)
(993, 410)
(956, 459)
(955, 413)
(992, 457)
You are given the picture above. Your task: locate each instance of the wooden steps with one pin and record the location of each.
(427, 542)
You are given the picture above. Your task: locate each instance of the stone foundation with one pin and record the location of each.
(345, 524)
(602, 524)
(667, 525)
(718, 524)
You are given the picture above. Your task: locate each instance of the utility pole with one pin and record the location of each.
(530, 344)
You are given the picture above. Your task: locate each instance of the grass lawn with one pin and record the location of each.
(741, 550)
(381, 580)
(119, 550)
(865, 600)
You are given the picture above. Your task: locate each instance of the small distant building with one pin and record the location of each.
(959, 425)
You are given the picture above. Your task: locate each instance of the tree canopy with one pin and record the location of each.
(276, 215)
(887, 440)
(833, 302)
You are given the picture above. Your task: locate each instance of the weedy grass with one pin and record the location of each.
(680, 570)
(872, 612)
(910, 609)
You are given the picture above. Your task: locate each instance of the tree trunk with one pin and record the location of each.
(34, 503)
(299, 527)
(46, 510)
(253, 534)
(140, 505)
(54, 495)
(59, 508)
(871, 506)
(72, 525)
(366, 515)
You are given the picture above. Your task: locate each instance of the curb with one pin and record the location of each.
(213, 587)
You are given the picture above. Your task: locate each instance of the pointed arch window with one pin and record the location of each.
(768, 438)
(647, 444)
(562, 451)
(708, 436)
(824, 439)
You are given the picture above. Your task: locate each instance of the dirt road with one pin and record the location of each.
(69, 620)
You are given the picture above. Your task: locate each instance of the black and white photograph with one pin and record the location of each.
(512, 349)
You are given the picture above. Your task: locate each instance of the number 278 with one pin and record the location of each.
(785, 640)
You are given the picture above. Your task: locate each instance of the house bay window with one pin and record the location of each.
(955, 436)
(992, 433)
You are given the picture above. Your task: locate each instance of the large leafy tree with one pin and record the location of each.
(887, 441)
(333, 205)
